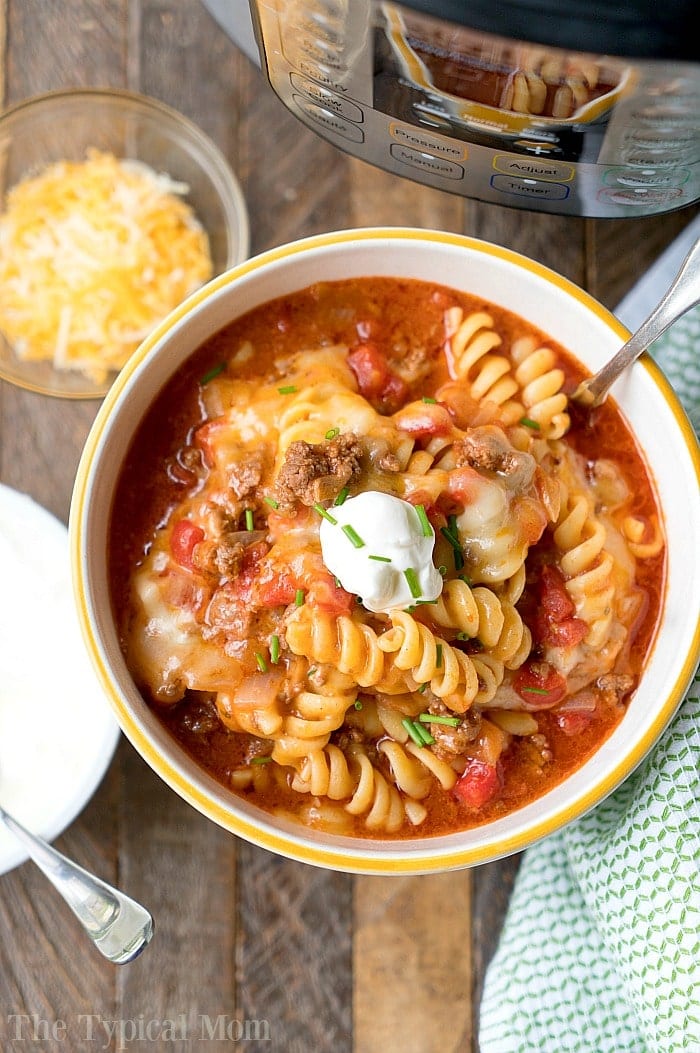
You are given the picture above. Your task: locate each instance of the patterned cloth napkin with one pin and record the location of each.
(600, 951)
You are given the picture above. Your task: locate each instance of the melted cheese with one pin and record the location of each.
(93, 254)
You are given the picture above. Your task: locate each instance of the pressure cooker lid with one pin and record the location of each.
(663, 29)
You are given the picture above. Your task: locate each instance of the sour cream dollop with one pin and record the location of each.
(378, 549)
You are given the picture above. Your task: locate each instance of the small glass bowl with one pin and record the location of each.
(63, 126)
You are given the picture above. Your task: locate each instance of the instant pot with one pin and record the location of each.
(561, 106)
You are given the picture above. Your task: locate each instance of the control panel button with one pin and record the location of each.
(533, 168)
(648, 197)
(646, 177)
(417, 139)
(426, 162)
(328, 99)
(331, 122)
(537, 189)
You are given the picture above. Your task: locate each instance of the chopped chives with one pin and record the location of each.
(412, 582)
(249, 520)
(311, 671)
(358, 703)
(424, 603)
(342, 496)
(422, 689)
(299, 598)
(288, 389)
(271, 502)
(438, 655)
(429, 401)
(274, 649)
(463, 636)
(332, 433)
(466, 579)
(424, 521)
(451, 538)
(325, 515)
(413, 732)
(262, 664)
(213, 372)
(380, 559)
(530, 423)
(262, 760)
(535, 690)
(352, 535)
(442, 570)
(431, 718)
(427, 738)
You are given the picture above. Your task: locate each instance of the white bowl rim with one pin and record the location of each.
(355, 855)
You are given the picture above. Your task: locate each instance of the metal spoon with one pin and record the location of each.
(119, 927)
(683, 294)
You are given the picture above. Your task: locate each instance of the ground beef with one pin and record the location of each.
(245, 474)
(614, 687)
(451, 742)
(314, 472)
(479, 450)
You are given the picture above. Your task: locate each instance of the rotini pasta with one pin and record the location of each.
(378, 575)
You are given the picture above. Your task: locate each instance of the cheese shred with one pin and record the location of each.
(93, 254)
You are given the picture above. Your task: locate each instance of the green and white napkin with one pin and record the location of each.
(600, 951)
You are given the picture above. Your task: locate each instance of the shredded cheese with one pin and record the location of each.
(93, 254)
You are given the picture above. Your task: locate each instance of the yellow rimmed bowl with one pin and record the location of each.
(64, 126)
(569, 316)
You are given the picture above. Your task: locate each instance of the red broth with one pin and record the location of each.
(214, 542)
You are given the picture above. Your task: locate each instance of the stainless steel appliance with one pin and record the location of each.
(562, 106)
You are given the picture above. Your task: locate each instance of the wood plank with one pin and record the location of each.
(413, 969)
(293, 957)
(48, 969)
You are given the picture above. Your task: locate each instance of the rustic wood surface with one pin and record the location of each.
(247, 945)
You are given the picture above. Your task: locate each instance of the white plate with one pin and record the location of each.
(57, 732)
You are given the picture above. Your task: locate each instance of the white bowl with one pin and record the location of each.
(569, 316)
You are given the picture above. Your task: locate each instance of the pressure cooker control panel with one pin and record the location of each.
(611, 139)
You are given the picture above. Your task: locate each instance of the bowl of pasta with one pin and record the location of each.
(360, 581)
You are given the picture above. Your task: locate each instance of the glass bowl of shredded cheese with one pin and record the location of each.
(113, 209)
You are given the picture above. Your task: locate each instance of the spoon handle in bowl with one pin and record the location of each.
(683, 293)
(118, 926)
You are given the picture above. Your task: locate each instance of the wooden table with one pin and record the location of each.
(247, 946)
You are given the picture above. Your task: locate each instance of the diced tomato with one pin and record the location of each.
(183, 538)
(573, 722)
(478, 784)
(424, 419)
(463, 483)
(555, 622)
(539, 685)
(278, 591)
(554, 598)
(329, 597)
(374, 378)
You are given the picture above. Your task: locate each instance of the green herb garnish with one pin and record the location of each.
(352, 535)
(380, 559)
(535, 690)
(299, 598)
(325, 515)
(424, 521)
(430, 718)
(213, 372)
(342, 496)
(428, 401)
(530, 423)
(271, 502)
(249, 520)
(262, 664)
(332, 433)
(288, 389)
(412, 582)
(262, 760)
(274, 649)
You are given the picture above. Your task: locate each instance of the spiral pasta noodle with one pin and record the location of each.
(471, 341)
(540, 382)
(414, 648)
(349, 645)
